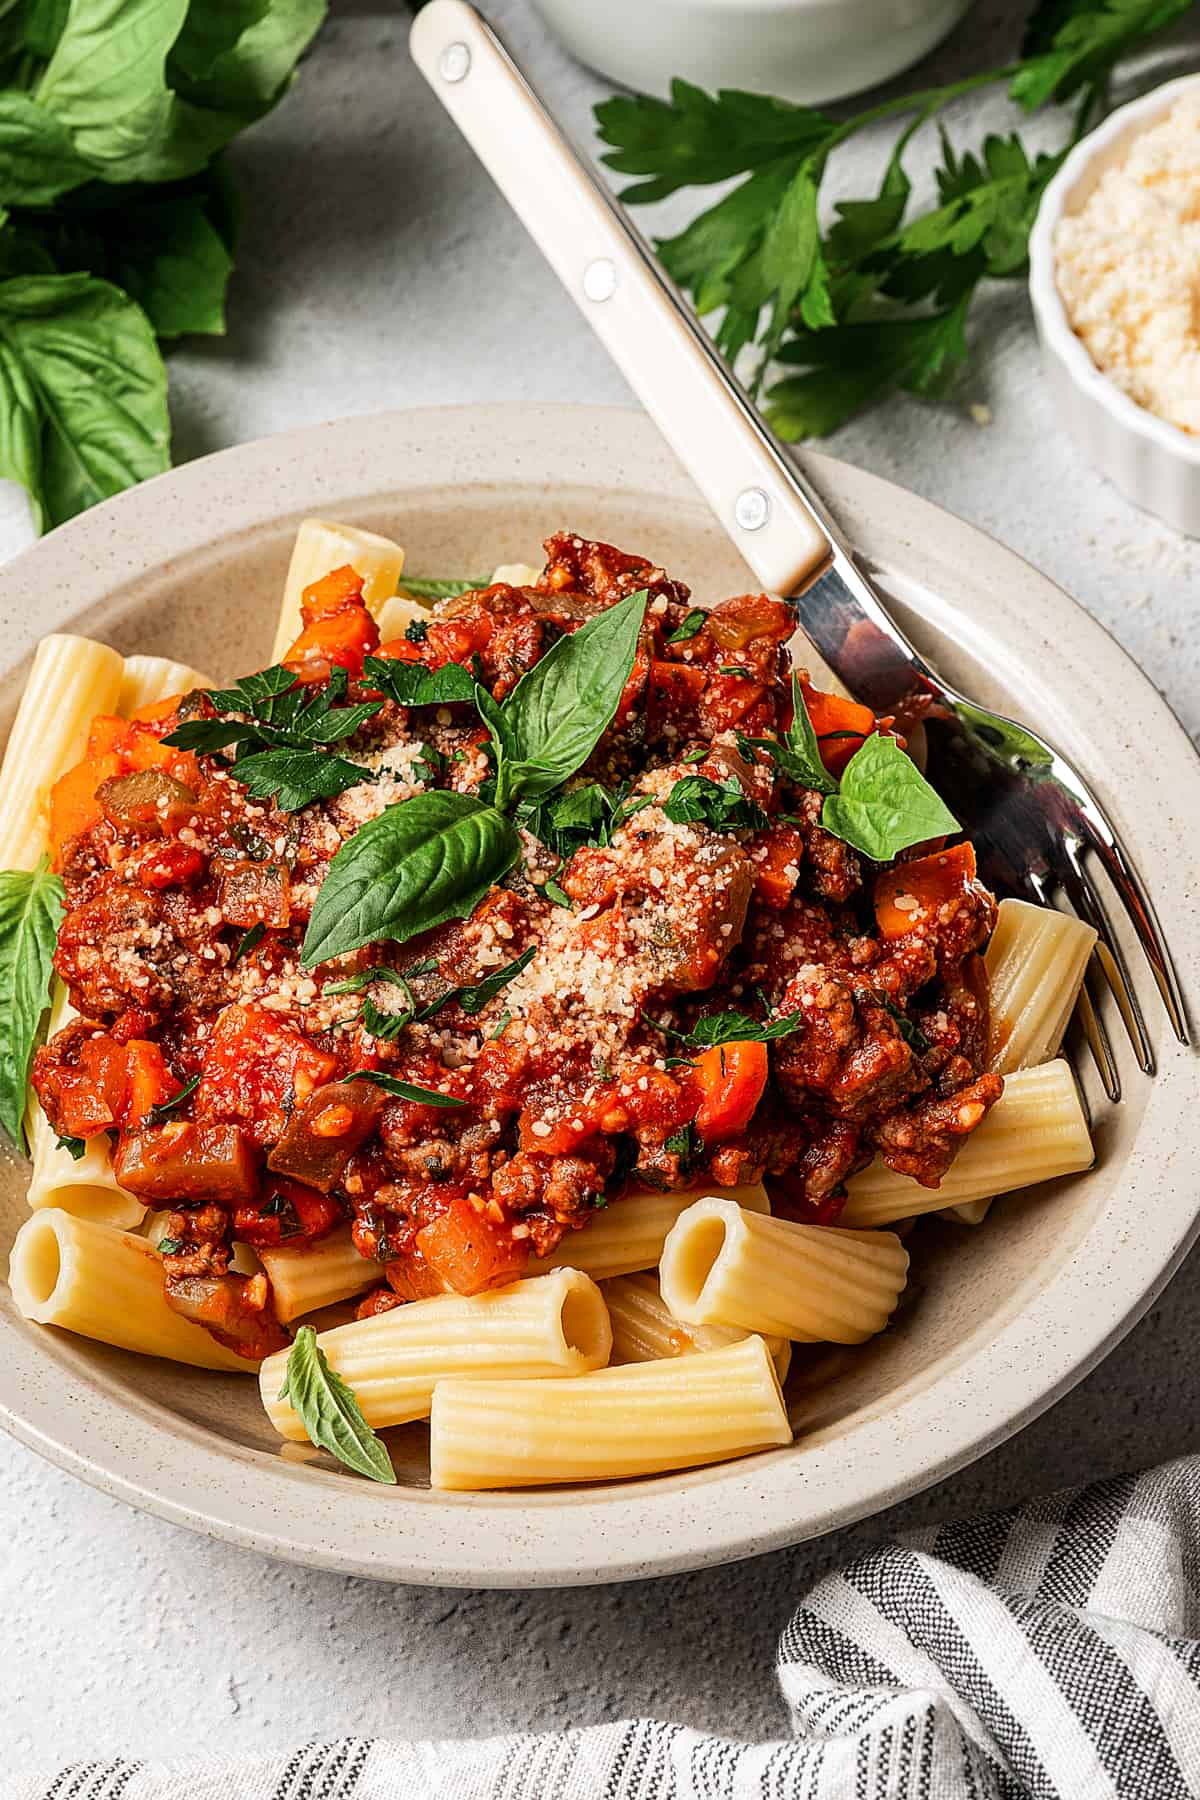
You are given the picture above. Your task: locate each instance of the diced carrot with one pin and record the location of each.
(334, 639)
(399, 650)
(469, 1252)
(107, 733)
(775, 873)
(149, 1080)
(730, 1079)
(155, 711)
(907, 898)
(73, 803)
(331, 593)
(840, 724)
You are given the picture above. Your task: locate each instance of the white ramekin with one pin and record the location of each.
(1155, 464)
(810, 51)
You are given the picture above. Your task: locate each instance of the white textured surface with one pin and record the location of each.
(380, 269)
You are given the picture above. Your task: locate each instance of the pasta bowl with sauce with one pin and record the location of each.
(996, 1322)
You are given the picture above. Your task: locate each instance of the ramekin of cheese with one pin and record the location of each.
(1114, 275)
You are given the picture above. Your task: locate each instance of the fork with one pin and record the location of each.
(1038, 829)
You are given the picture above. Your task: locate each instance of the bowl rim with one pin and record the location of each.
(1050, 313)
(990, 1386)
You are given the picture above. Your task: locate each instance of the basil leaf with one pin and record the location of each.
(75, 1147)
(31, 911)
(385, 1025)
(555, 716)
(38, 161)
(163, 1110)
(565, 822)
(738, 1028)
(412, 684)
(250, 940)
(721, 805)
(692, 624)
(169, 1246)
(405, 1090)
(885, 803)
(423, 861)
(797, 753)
(431, 589)
(329, 1412)
(476, 995)
(555, 895)
(354, 984)
(83, 393)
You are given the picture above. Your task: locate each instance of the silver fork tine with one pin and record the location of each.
(1086, 899)
(1141, 916)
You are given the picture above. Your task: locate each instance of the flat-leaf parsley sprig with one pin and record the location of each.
(879, 299)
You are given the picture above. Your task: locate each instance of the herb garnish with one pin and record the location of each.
(281, 738)
(169, 1246)
(731, 1027)
(912, 1034)
(249, 941)
(76, 1147)
(721, 805)
(413, 684)
(879, 299)
(158, 1113)
(884, 803)
(555, 716)
(31, 911)
(329, 1412)
(797, 753)
(384, 1025)
(692, 624)
(473, 997)
(433, 589)
(423, 861)
(404, 1090)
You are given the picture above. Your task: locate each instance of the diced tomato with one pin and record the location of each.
(149, 1080)
(399, 650)
(74, 807)
(470, 1252)
(257, 1070)
(674, 692)
(729, 1079)
(456, 640)
(776, 870)
(171, 865)
(91, 1096)
(288, 1213)
(331, 594)
(334, 640)
(379, 1300)
(907, 898)
(840, 724)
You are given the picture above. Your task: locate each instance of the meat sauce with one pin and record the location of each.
(218, 1062)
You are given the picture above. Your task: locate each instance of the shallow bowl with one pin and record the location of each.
(1000, 1321)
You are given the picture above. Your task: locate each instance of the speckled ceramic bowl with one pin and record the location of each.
(1001, 1320)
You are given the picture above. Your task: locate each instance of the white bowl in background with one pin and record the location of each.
(999, 1321)
(1155, 464)
(810, 51)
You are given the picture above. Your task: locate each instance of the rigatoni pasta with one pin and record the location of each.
(1035, 962)
(1036, 1132)
(645, 1330)
(640, 1419)
(148, 679)
(72, 679)
(307, 1277)
(106, 1284)
(628, 1236)
(554, 1326)
(724, 1266)
(320, 548)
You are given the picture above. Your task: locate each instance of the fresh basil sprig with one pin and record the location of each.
(692, 625)
(31, 911)
(405, 1090)
(476, 994)
(797, 753)
(412, 684)
(731, 1027)
(423, 861)
(884, 803)
(281, 735)
(559, 710)
(329, 1411)
(165, 1108)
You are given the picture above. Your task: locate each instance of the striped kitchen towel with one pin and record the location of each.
(1051, 1650)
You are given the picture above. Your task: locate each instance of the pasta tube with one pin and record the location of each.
(1035, 965)
(397, 614)
(644, 1331)
(629, 1234)
(635, 1420)
(812, 1283)
(1035, 1132)
(516, 574)
(147, 679)
(555, 1325)
(72, 679)
(105, 1284)
(320, 548)
(306, 1277)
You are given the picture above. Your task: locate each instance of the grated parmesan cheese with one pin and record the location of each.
(1128, 269)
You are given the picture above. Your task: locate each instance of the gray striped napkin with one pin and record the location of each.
(1050, 1650)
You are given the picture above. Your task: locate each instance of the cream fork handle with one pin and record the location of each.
(608, 270)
